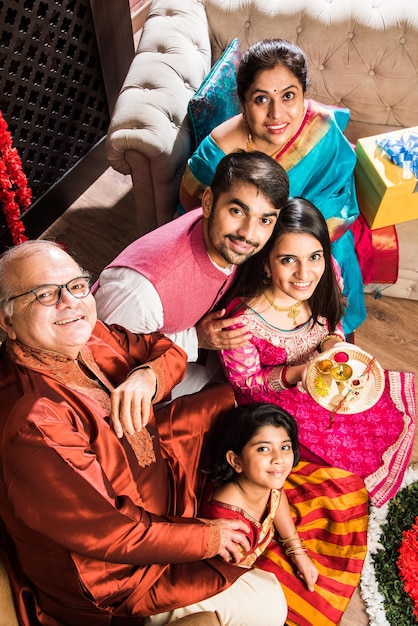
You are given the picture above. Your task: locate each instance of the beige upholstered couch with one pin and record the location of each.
(363, 54)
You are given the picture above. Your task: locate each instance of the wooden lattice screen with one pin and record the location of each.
(52, 90)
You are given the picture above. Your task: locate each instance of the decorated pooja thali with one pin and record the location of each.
(345, 380)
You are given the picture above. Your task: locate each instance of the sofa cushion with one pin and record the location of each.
(8, 616)
(216, 100)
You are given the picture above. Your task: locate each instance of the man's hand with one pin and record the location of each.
(131, 402)
(233, 535)
(212, 336)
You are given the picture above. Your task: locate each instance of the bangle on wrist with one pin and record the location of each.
(296, 549)
(294, 535)
(285, 382)
(321, 344)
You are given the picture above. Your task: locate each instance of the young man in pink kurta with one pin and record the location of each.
(172, 278)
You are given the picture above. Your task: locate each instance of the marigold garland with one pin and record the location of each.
(408, 563)
(15, 195)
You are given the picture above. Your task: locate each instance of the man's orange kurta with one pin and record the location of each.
(95, 519)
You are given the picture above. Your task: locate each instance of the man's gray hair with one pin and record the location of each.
(11, 257)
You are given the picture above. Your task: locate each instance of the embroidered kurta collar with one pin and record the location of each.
(59, 366)
(83, 375)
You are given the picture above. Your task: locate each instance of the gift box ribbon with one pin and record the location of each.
(402, 151)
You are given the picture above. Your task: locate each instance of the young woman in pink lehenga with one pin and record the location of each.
(289, 297)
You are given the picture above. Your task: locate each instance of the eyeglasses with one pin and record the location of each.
(49, 295)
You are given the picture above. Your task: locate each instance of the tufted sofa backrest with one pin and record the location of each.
(362, 54)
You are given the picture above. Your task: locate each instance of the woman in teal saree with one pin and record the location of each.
(304, 136)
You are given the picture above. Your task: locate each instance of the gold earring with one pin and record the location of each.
(267, 276)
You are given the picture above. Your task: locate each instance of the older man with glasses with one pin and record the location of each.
(49, 295)
(104, 526)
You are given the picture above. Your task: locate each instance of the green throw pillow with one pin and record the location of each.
(216, 100)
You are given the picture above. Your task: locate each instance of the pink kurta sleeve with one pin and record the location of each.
(244, 368)
(256, 369)
(245, 371)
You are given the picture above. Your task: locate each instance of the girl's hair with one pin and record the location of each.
(235, 429)
(267, 54)
(298, 215)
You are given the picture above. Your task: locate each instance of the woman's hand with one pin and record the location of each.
(330, 342)
(296, 373)
(303, 375)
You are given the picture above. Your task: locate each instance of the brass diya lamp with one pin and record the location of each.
(341, 372)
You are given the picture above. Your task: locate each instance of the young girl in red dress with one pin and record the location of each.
(308, 523)
(257, 450)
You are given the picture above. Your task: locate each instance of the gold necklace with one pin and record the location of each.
(292, 311)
